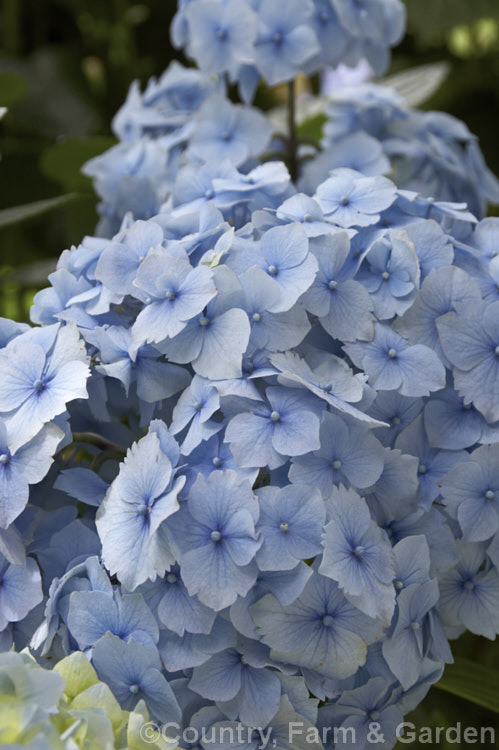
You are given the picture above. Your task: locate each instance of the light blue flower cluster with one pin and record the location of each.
(252, 39)
(431, 153)
(249, 460)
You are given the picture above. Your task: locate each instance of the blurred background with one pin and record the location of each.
(65, 68)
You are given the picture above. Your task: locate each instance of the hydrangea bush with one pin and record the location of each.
(249, 448)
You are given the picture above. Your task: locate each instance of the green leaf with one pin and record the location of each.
(472, 681)
(312, 128)
(17, 214)
(64, 161)
(13, 88)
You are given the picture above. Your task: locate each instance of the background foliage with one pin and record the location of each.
(65, 68)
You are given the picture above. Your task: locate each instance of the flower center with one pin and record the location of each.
(170, 295)
(344, 200)
(272, 270)
(489, 495)
(216, 536)
(209, 194)
(374, 715)
(422, 469)
(414, 625)
(332, 285)
(39, 385)
(497, 351)
(204, 321)
(4, 458)
(284, 527)
(336, 464)
(392, 353)
(395, 420)
(277, 37)
(359, 551)
(399, 585)
(134, 689)
(469, 585)
(256, 317)
(385, 276)
(275, 416)
(217, 462)
(171, 578)
(327, 621)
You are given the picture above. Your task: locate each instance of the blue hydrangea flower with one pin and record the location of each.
(358, 555)
(175, 607)
(453, 425)
(348, 453)
(133, 672)
(470, 340)
(287, 425)
(404, 649)
(194, 408)
(471, 492)
(214, 341)
(433, 247)
(331, 380)
(239, 682)
(439, 293)
(320, 631)
(359, 710)
(92, 614)
(283, 254)
(411, 561)
(397, 412)
(270, 331)
(120, 260)
(176, 293)
(229, 131)
(214, 537)
(129, 520)
(434, 464)
(42, 370)
(291, 521)
(193, 649)
(20, 590)
(213, 455)
(285, 39)
(342, 304)
(28, 465)
(391, 364)
(121, 359)
(390, 273)
(221, 35)
(470, 594)
(351, 200)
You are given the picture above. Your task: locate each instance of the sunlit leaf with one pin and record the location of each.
(16, 214)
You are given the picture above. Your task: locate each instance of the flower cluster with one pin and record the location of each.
(262, 432)
(252, 39)
(431, 153)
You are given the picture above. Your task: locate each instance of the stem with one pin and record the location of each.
(91, 438)
(292, 132)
